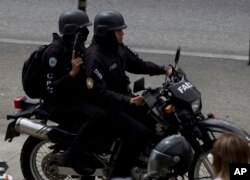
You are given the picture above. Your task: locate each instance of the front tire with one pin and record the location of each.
(201, 167)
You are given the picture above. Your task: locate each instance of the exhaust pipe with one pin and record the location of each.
(35, 129)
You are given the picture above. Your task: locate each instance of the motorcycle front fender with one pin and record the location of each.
(221, 125)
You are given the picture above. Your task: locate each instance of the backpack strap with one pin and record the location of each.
(57, 41)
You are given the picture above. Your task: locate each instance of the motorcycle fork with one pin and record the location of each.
(207, 140)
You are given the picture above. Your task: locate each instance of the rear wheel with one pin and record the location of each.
(38, 162)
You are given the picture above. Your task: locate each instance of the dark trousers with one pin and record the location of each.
(89, 121)
(135, 137)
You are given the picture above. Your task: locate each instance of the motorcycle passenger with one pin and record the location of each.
(64, 91)
(107, 61)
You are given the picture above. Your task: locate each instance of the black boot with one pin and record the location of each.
(81, 164)
(77, 155)
(79, 160)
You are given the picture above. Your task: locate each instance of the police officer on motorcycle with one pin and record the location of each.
(107, 61)
(64, 90)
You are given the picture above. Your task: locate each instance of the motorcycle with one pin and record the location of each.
(175, 108)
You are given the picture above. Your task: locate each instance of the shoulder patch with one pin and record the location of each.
(52, 61)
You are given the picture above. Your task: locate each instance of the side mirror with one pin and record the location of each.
(139, 85)
(177, 55)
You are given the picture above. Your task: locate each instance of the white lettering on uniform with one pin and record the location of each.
(185, 86)
(48, 83)
(49, 88)
(50, 76)
(98, 74)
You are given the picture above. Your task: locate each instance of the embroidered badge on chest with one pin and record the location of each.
(89, 83)
(52, 61)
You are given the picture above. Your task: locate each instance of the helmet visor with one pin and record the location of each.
(161, 164)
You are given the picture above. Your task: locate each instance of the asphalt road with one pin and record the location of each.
(198, 26)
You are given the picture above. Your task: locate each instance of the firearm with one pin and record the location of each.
(79, 46)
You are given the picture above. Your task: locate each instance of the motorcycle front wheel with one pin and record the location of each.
(38, 162)
(202, 167)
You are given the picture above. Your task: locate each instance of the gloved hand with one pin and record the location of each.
(137, 100)
(180, 71)
(169, 71)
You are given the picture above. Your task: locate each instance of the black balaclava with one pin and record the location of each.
(84, 32)
(69, 39)
(108, 42)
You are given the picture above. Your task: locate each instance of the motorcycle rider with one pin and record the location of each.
(107, 60)
(64, 91)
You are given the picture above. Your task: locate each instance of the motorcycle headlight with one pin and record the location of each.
(196, 105)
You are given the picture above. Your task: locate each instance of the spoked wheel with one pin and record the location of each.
(202, 167)
(38, 162)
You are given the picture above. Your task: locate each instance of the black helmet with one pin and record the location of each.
(108, 21)
(172, 157)
(70, 21)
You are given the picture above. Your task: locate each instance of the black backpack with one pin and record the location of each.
(32, 70)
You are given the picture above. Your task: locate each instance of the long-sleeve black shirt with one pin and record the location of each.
(58, 86)
(107, 72)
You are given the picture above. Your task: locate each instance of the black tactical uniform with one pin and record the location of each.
(66, 97)
(60, 88)
(107, 61)
(108, 70)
